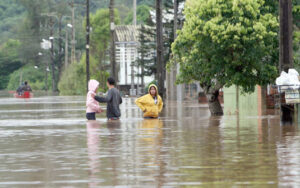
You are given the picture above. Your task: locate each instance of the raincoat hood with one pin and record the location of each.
(93, 84)
(153, 85)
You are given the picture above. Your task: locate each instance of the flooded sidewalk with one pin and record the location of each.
(47, 142)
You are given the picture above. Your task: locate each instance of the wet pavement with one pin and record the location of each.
(46, 142)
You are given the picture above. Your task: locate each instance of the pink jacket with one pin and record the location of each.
(91, 104)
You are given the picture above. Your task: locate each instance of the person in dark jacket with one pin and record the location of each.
(113, 100)
(19, 90)
(23, 87)
(26, 87)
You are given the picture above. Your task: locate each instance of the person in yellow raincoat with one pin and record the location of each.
(151, 104)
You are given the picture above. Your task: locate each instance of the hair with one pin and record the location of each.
(111, 81)
(154, 89)
(25, 82)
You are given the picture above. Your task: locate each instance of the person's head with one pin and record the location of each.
(110, 82)
(153, 90)
(25, 82)
(93, 85)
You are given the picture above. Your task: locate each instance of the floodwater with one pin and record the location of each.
(46, 142)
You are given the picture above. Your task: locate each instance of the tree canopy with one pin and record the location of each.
(226, 42)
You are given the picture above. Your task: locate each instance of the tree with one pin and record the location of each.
(100, 39)
(146, 50)
(160, 48)
(11, 13)
(142, 13)
(9, 61)
(224, 43)
(74, 76)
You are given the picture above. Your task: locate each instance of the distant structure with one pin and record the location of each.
(127, 44)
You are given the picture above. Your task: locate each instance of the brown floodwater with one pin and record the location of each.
(46, 142)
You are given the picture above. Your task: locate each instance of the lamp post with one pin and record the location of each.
(87, 43)
(46, 45)
(67, 46)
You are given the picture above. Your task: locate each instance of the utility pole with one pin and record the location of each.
(179, 87)
(73, 42)
(159, 48)
(112, 43)
(60, 45)
(66, 50)
(286, 49)
(52, 54)
(132, 74)
(138, 67)
(87, 43)
(286, 35)
(134, 12)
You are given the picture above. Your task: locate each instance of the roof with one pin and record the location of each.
(130, 33)
(127, 33)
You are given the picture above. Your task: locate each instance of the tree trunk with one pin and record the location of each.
(112, 44)
(214, 104)
(286, 35)
(87, 44)
(52, 56)
(159, 48)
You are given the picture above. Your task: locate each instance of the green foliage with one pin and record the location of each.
(11, 13)
(296, 38)
(9, 61)
(100, 36)
(142, 15)
(73, 79)
(35, 78)
(146, 59)
(227, 42)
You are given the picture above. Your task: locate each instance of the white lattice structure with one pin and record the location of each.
(127, 53)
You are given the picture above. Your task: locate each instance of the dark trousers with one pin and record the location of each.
(151, 118)
(91, 116)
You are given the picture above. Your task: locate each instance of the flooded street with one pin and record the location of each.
(47, 142)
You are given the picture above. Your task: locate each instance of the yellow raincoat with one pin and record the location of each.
(147, 104)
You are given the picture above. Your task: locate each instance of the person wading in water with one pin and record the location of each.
(151, 104)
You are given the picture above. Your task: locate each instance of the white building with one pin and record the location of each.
(127, 53)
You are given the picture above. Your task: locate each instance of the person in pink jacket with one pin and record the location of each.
(92, 106)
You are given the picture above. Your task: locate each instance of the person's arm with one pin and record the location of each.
(92, 105)
(121, 100)
(160, 104)
(104, 99)
(139, 102)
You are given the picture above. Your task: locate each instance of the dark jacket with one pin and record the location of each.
(26, 88)
(113, 100)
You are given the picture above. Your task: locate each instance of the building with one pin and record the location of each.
(127, 44)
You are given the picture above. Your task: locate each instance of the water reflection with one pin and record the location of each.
(93, 129)
(52, 145)
(151, 155)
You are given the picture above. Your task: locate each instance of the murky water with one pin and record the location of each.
(46, 142)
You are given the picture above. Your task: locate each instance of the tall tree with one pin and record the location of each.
(9, 61)
(226, 42)
(146, 59)
(112, 44)
(160, 48)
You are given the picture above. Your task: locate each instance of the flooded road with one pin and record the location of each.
(46, 142)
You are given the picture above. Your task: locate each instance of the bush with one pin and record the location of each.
(73, 79)
(35, 78)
